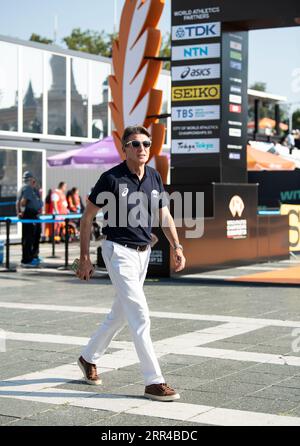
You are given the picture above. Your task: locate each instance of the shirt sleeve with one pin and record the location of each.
(103, 185)
(54, 197)
(163, 201)
(27, 193)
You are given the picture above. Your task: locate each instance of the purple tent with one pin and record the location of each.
(102, 152)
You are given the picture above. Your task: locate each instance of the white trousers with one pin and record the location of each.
(127, 269)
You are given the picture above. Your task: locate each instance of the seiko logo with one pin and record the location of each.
(195, 72)
(236, 206)
(200, 92)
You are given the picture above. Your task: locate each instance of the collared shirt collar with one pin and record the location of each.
(128, 171)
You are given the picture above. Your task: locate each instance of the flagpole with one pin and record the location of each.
(115, 16)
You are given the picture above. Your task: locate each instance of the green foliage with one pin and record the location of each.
(165, 50)
(296, 119)
(259, 86)
(91, 42)
(37, 38)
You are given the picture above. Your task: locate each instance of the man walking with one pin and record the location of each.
(29, 205)
(126, 252)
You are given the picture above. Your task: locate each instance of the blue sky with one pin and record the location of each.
(273, 54)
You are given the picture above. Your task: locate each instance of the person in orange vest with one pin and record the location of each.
(73, 199)
(74, 206)
(60, 206)
(49, 227)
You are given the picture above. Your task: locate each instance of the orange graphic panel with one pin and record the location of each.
(135, 101)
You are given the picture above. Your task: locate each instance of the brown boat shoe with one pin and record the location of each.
(161, 392)
(89, 372)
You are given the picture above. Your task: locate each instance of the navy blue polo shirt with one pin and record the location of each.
(136, 203)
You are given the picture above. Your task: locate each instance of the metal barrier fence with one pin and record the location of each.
(52, 219)
(7, 203)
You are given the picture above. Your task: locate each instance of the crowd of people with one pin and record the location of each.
(59, 201)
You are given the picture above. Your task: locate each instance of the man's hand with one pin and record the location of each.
(179, 260)
(85, 269)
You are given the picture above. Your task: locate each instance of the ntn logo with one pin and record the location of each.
(195, 51)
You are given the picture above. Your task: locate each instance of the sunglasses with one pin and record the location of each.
(137, 144)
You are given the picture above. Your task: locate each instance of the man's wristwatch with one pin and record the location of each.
(178, 246)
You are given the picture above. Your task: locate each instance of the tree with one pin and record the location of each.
(37, 38)
(296, 119)
(259, 86)
(165, 50)
(92, 42)
(265, 109)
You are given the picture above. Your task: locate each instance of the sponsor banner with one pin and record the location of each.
(195, 131)
(190, 52)
(235, 55)
(190, 146)
(196, 72)
(190, 15)
(236, 229)
(197, 31)
(196, 93)
(235, 89)
(234, 146)
(235, 132)
(236, 99)
(235, 108)
(293, 211)
(236, 65)
(235, 45)
(234, 156)
(235, 79)
(238, 123)
(196, 113)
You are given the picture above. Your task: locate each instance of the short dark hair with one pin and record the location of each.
(61, 184)
(134, 130)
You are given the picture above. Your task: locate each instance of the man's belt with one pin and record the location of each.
(133, 246)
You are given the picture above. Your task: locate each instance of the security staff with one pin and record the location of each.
(126, 252)
(29, 205)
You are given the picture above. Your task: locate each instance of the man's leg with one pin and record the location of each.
(36, 240)
(27, 240)
(127, 270)
(111, 326)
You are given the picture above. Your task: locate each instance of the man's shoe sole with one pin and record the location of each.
(162, 398)
(88, 381)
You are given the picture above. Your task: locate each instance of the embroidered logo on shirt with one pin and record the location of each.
(125, 192)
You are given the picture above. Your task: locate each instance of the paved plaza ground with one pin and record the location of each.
(230, 350)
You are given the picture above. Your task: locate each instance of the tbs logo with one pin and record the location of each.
(185, 113)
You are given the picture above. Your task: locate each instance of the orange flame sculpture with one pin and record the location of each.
(135, 101)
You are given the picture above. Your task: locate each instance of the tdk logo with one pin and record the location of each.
(180, 33)
(204, 30)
